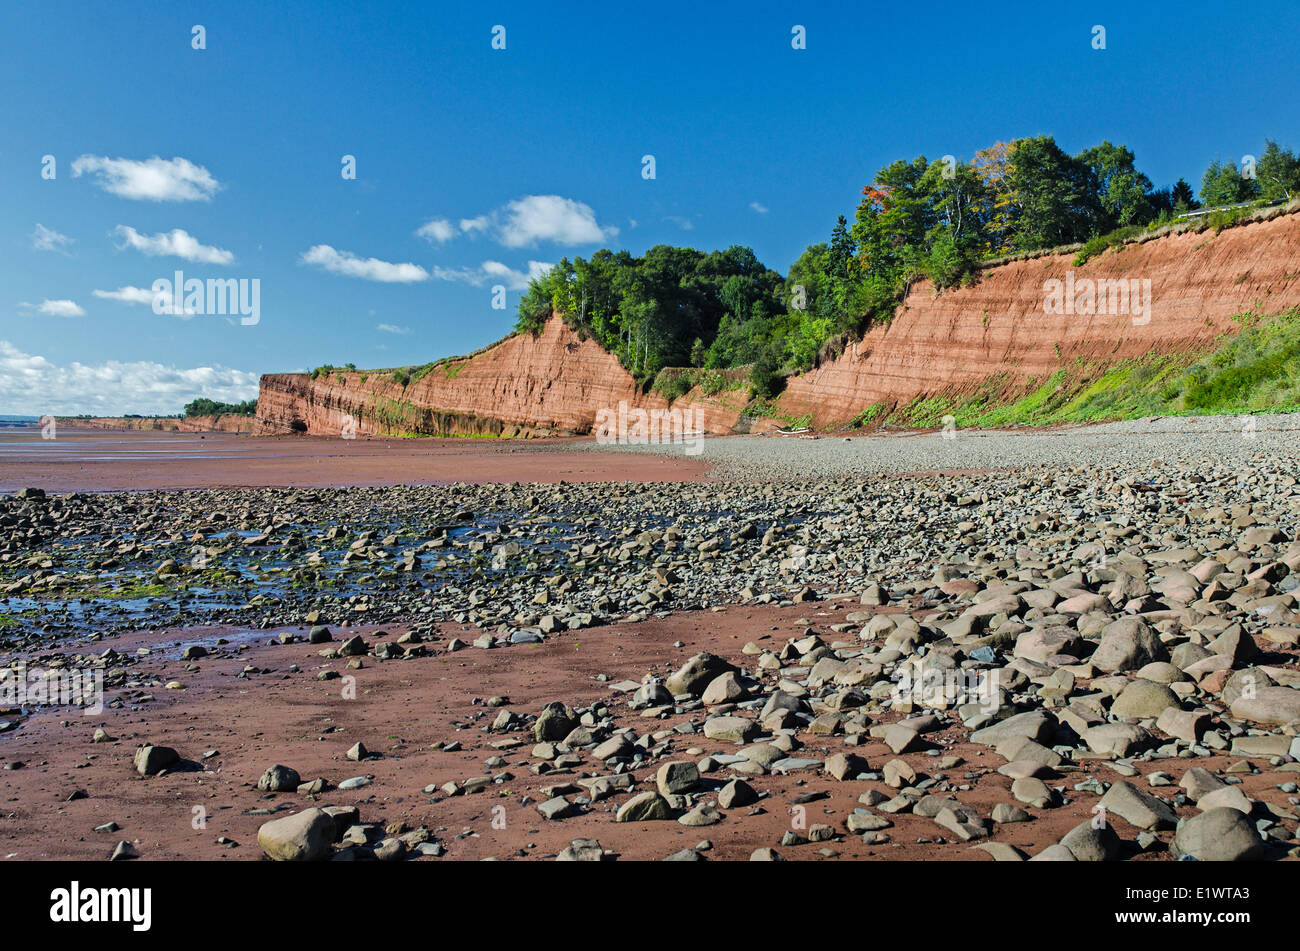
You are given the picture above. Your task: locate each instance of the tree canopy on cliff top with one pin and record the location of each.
(917, 219)
(206, 407)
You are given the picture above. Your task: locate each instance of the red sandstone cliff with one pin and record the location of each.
(525, 385)
(936, 344)
(950, 342)
(192, 424)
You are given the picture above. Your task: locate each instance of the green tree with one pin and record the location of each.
(893, 216)
(1222, 184)
(764, 376)
(946, 263)
(1278, 172)
(663, 309)
(698, 353)
(805, 341)
(955, 193)
(1057, 206)
(207, 407)
(1122, 191)
(841, 253)
(537, 302)
(1000, 202)
(1183, 197)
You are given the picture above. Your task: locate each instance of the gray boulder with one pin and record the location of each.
(279, 779)
(154, 759)
(302, 837)
(1127, 644)
(555, 722)
(1219, 835)
(697, 673)
(1143, 699)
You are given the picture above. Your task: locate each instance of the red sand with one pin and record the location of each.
(95, 461)
(405, 706)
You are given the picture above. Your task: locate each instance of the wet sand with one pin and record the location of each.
(101, 461)
(403, 707)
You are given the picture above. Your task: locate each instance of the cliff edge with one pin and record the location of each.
(993, 336)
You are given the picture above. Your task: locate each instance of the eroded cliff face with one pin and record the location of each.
(937, 344)
(952, 343)
(192, 424)
(526, 385)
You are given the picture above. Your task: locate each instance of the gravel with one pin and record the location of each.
(1176, 439)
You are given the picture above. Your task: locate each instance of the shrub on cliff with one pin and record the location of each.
(765, 379)
(1096, 245)
(673, 384)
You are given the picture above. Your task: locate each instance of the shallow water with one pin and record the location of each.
(28, 445)
(97, 604)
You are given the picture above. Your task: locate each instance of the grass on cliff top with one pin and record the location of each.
(1255, 370)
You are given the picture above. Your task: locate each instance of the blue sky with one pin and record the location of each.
(538, 147)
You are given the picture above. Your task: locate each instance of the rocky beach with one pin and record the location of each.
(1073, 644)
(451, 439)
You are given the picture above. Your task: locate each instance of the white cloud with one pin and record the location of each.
(495, 272)
(31, 385)
(370, 269)
(128, 295)
(550, 218)
(684, 223)
(47, 239)
(759, 207)
(468, 275)
(143, 295)
(175, 243)
(61, 308)
(527, 221)
(393, 329)
(515, 280)
(154, 179)
(437, 231)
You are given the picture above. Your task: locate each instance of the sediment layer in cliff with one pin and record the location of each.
(957, 341)
(551, 383)
(225, 423)
(1190, 285)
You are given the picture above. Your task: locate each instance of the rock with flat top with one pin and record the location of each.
(1229, 797)
(1269, 705)
(582, 850)
(678, 777)
(1138, 808)
(150, 760)
(1117, 739)
(1196, 782)
(730, 729)
(725, 688)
